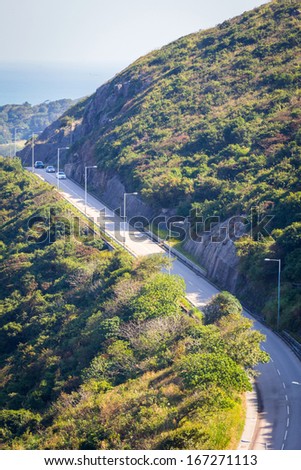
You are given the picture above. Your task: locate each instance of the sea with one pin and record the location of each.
(36, 83)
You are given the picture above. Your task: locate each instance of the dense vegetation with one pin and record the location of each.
(28, 119)
(218, 126)
(211, 122)
(100, 350)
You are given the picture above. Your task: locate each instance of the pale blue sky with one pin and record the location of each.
(103, 32)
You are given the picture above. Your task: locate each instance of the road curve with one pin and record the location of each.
(279, 382)
(279, 396)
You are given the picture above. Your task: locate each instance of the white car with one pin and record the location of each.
(50, 169)
(61, 175)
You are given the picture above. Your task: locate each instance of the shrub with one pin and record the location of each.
(203, 370)
(221, 305)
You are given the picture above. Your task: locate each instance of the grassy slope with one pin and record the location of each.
(219, 112)
(96, 350)
(212, 122)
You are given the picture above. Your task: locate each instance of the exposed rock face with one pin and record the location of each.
(110, 189)
(108, 101)
(46, 145)
(135, 207)
(219, 260)
(216, 252)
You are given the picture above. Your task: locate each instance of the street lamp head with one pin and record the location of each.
(95, 166)
(135, 194)
(267, 259)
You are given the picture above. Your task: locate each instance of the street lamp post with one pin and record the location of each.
(7, 142)
(169, 248)
(15, 140)
(32, 152)
(279, 287)
(32, 149)
(58, 164)
(124, 211)
(86, 184)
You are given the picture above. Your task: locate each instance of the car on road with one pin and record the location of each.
(50, 169)
(61, 175)
(39, 164)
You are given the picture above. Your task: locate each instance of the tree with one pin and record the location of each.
(221, 305)
(242, 343)
(148, 265)
(154, 335)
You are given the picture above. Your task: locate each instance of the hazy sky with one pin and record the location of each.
(103, 31)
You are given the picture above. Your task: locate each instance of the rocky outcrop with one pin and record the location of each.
(216, 252)
(219, 260)
(110, 100)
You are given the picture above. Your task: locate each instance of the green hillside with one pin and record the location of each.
(101, 351)
(211, 122)
(216, 124)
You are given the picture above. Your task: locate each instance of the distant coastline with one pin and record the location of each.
(36, 83)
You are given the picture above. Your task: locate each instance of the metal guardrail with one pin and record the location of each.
(118, 242)
(105, 239)
(292, 343)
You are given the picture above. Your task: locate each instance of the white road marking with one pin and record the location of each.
(285, 435)
(272, 360)
(296, 383)
(282, 448)
(288, 409)
(278, 372)
(287, 422)
(286, 397)
(191, 283)
(284, 386)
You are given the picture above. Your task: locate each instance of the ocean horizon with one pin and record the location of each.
(36, 83)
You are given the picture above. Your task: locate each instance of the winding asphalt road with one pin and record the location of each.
(279, 382)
